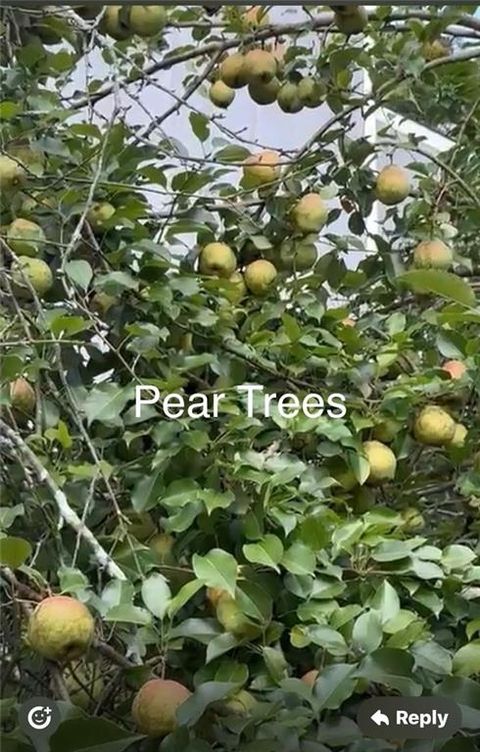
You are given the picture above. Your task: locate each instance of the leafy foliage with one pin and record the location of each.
(235, 553)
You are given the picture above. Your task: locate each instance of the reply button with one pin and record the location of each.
(409, 717)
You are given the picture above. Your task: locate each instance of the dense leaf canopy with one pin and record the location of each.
(236, 552)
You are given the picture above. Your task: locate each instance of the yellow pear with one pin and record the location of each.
(382, 461)
(99, 214)
(433, 254)
(146, 20)
(393, 185)
(310, 213)
(217, 259)
(22, 396)
(12, 175)
(260, 65)
(259, 276)
(460, 435)
(289, 99)
(232, 71)
(25, 238)
(61, 628)
(434, 426)
(264, 93)
(242, 703)
(220, 94)
(155, 706)
(36, 271)
(102, 302)
(260, 169)
(412, 519)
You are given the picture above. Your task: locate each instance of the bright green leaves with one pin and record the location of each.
(218, 569)
(14, 551)
(446, 285)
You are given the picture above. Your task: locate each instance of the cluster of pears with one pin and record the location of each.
(26, 239)
(124, 21)
(433, 426)
(260, 70)
(392, 187)
(298, 252)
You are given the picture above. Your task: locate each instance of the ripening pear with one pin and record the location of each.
(146, 20)
(99, 214)
(311, 677)
(25, 238)
(102, 302)
(311, 92)
(61, 629)
(310, 213)
(242, 703)
(36, 271)
(113, 23)
(459, 437)
(433, 254)
(264, 93)
(22, 396)
(387, 430)
(12, 175)
(299, 254)
(288, 98)
(382, 461)
(393, 185)
(260, 169)
(161, 546)
(237, 288)
(351, 19)
(434, 426)
(435, 49)
(260, 65)
(32, 159)
(217, 259)
(221, 95)
(232, 618)
(35, 201)
(155, 706)
(412, 519)
(232, 71)
(455, 368)
(259, 276)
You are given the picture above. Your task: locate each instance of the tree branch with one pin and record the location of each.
(25, 454)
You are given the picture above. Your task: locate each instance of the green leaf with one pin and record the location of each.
(156, 595)
(200, 125)
(14, 551)
(367, 632)
(466, 660)
(432, 657)
(299, 559)
(391, 667)
(195, 706)
(91, 735)
(80, 272)
(186, 592)
(385, 602)
(328, 639)
(105, 403)
(334, 685)
(457, 557)
(268, 551)
(218, 569)
(444, 284)
(129, 614)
